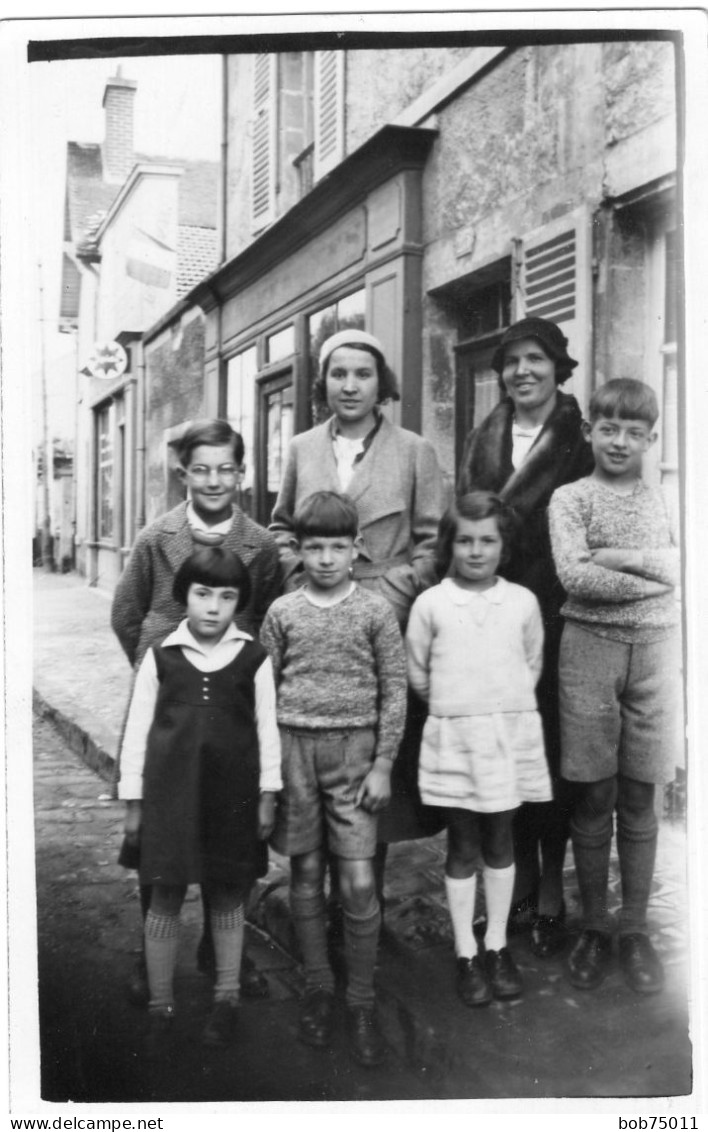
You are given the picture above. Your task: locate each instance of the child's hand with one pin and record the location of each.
(266, 816)
(374, 794)
(133, 821)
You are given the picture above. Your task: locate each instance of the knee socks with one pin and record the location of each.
(227, 931)
(591, 850)
(636, 847)
(460, 899)
(361, 937)
(308, 911)
(498, 889)
(161, 943)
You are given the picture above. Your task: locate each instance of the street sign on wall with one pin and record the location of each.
(107, 360)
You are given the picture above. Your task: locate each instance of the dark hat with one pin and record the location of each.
(547, 333)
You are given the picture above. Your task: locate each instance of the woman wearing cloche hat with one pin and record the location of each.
(530, 444)
(393, 477)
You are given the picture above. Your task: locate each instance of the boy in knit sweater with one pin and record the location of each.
(617, 556)
(340, 676)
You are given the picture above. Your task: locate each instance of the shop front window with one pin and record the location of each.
(240, 412)
(104, 492)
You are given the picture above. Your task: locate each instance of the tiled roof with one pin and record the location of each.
(89, 197)
(196, 256)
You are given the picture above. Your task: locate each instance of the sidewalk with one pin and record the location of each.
(555, 1042)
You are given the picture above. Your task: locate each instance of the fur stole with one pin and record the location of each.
(558, 456)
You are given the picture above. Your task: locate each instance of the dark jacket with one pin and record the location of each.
(559, 455)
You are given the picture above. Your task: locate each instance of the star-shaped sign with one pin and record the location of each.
(108, 359)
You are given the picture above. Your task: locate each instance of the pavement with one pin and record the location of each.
(555, 1042)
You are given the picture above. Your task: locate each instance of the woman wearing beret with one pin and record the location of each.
(530, 444)
(393, 477)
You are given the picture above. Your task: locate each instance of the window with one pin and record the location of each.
(329, 110)
(104, 487)
(297, 127)
(553, 281)
(280, 345)
(240, 412)
(340, 315)
(263, 172)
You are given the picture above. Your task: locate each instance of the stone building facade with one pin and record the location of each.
(433, 196)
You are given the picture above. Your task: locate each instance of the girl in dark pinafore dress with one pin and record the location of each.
(200, 771)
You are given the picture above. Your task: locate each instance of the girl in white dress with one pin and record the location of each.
(474, 645)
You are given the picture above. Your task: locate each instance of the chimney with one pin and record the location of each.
(118, 157)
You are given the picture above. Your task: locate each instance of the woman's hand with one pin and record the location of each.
(266, 816)
(374, 794)
(133, 821)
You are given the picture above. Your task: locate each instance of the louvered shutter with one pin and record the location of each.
(555, 284)
(263, 159)
(329, 111)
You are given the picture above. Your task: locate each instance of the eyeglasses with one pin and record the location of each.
(200, 473)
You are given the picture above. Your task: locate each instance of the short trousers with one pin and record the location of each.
(619, 707)
(322, 772)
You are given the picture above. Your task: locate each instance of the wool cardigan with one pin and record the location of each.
(144, 610)
(398, 490)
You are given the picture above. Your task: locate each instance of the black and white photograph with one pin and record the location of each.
(352, 465)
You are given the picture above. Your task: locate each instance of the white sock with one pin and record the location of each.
(227, 931)
(498, 889)
(460, 898)
(161, 944)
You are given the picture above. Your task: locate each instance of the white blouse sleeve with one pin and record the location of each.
(267, 728)
(140, 717)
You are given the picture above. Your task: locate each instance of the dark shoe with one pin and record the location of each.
(365, 1039)
(137, 991)
(473, 985)
(160, 1031)
(503, 974)
(221, 1024)
(640, 964)
(252, 982)
(548, 934)
(521, 914)
(316, 1017)
(589, 960)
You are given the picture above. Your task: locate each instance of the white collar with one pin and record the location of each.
(198, 523)
(494, 595)
(182, 637)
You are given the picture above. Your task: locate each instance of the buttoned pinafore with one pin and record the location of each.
(202, 774)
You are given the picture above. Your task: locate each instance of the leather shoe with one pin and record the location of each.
(221, 1024)
(589, 960)
(316, 1017)
(640, 964)
(548, 934)
(473, 986)
(365, 1039)
(503, 974)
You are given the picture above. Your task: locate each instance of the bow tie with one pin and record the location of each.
(207, 538)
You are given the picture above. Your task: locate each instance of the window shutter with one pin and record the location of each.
(554, 283)
(263, 161)
(329, 110)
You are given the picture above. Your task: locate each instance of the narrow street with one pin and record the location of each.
(93, 1046)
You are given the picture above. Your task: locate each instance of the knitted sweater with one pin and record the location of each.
(587, 515)
(475, 653)
(338, 666)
